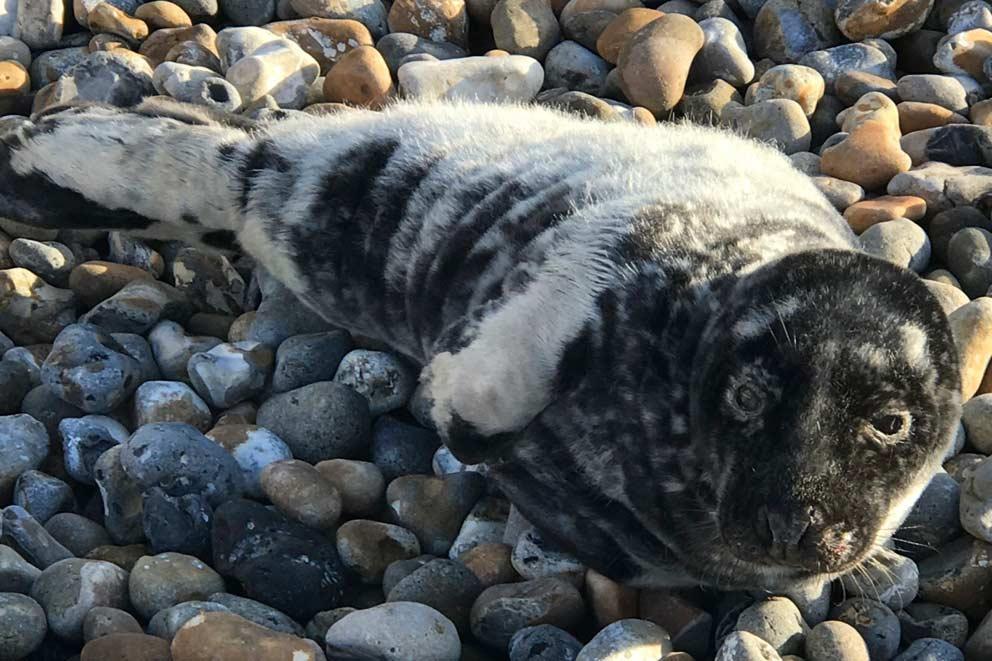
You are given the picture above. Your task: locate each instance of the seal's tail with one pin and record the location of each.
(97, 167)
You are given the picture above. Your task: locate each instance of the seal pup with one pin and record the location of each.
(664, 340)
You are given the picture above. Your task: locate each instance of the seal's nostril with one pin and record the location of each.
(788, 526)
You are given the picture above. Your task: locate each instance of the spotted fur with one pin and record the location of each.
(588, 300)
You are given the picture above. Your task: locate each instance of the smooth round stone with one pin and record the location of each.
(179, 524)
(15, 50)
(82, 9)
(209, 279)
(901, 242)
(31, 538)
(249, 12)
(43, 496)
(301, 492)
(621, 29)
(85, 439)
(257, 612)
(925, 620)
(947, 223)
(51, 260)
(197, 85)
(170, 401)
(723, 55)
(115, 77)
(173, 349)
(401, 449)
(69, 589)
(437, 20)
(964, 53)
(138, 306)
(368, 547)
(34, 311)
(434, 508)
(969, 258)
(778, 622)
(876, 623)
(570, 65)
(703, 104)
(892, 579)
(930, 649)
(863, 19)
(535, 557)
(226, 636)
(781, 122)
(168, 621)
(502, 610)
(976, 501)
(447, 586)
(371, 13)
(359, 484)
(132, 252)
(385, 380)
(916, 116)
(43, 405)
(16, 573)
(316, 629)
(90, 369)
(852, 85)
(24, 445)
(485, 523)
(305, 359)
(835, 640)
(253, 448)
(744, 646)
(862, 215)
(236, 43)
(950, 298)
(801, 84)
(524, 27)
(22, 626)
(483, 79)
(104, 621)
(127, 647)
(400, 569)
(163, 14)
(121, 498)
(23, 365)
(976, 415)
(194, 54)
(833, 62)
(320, 421)
(48, 67)
(637, 640)
(654, 65)
(543, 643)
(230, 373)
(280, 69)
(277, 561)
(786, 30)
(491, 563)
(397, 46)
(869, 155)
(946, 91)
(167, 579)
(107, 19)
(395, 631)
(933, 521)
(360, 78)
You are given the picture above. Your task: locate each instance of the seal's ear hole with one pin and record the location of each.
(888, 424)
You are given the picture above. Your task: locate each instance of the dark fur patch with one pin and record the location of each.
(220, 239)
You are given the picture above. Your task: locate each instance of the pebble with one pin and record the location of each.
(253, 448)
(397, 46)
(832, 640)
(434, 508)
(167, 579)
(47, 68)
(14, 50)
(395, 632)
(85, 439)
(841, 194)
(160, 14)
(179, 524)
(437, 20)
(359, 78)
(170, 401)
(26, 362)
(305, 359)
(900, 241)
(115, 77)
(105, 621)
(723, 55)
(15, 382)
(359, 484)
(535, 557)
(636, 640)
(801, 84)
(876, 623)
(863, 19)
(778, 622)
(22, 626)
(445, 585)
(832, 62)
(525, 27)
(744, 646)
(930, 649)
(916, 116)
(401, 449)
(781, 122)
(69, 589)
(208, 279)
(621, 29)
(132, 252)
(502, 610)
(39, 24)
(248, 12)
(862, 215)
(31, 538)
(42, 496)
(485, 79)
(945, 91)
(139, 306)
(302, 493)
(198, 85)
(543, 643)
(229, 374)
(126, 647)
(485, 523)
(610, 601)
(16, 573)
(976, 415)
(51, 260)
(33, 310)
(24, 444)
(323, 420)
(869, 155)
(933, 521)
(279, 68)
(889, 578)
(969, 258)
(654, 64)
(785, 30)
(571, 66)
(368, 547)
(121, 498)
(926, 620)
(226, 637)
(964, 53)
(852, 85)
(96, 281)
(160, 42)
(166, 622)
(173, 349)
(281, 315)
(277, 561)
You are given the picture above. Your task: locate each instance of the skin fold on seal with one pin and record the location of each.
(663, 340)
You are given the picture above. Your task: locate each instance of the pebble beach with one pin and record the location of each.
(196, 467)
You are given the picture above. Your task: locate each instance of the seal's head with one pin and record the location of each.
(826, 393)
(783, 443)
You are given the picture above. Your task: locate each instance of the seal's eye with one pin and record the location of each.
(890, 426)
(748, 399)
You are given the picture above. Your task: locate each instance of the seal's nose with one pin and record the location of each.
(788, 526)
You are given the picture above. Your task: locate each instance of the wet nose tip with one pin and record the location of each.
(788, 527)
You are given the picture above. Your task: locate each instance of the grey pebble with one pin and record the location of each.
(69, 589)
(934, 519)
(43, 496)
(85, 439)
(305, 359)
(385, 380)
(394, 632)
(15, 382)
(543, 642)
(257, 612)
(138, 306)
(573, 66)
(105, 621)
(106, 77)
(399, 448)
(899, 241)
(51, 260)
(23, 445)
(876, 623)
(168, 621)
(121, 498)
(31, 538)
(170, 401)
(447, 586)
(16, 573)
(778, 622)
(77, 533)
(44, 406)
(173, 348)
(249, 12)
(395, 46)
(30, 358)
(229, 374)
(930, 649)
(180, 524)
(164, 580)
(128, 250)
(22, 625)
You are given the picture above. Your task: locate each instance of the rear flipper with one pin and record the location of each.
(161, 170)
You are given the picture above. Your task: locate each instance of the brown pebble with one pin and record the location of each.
(299, 491)
(852, 85)
(496, 52)
(437, 20)
(862, 215)
(230, 637)
(972, 328)
(361, 77)
(918, 116)
(981, 113)
(964, 53)
(107, 18)
(97, 281)
(654, 64)
(14, 79)
(158, 44)
(620, 30)
(195, 55)
(324, 39)
(608, 600)
(869, 156)
(124, 557)
(525, 27)
(490, 562)
(161, 14)
(359, 483)
(107, 42)
(126, 646)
